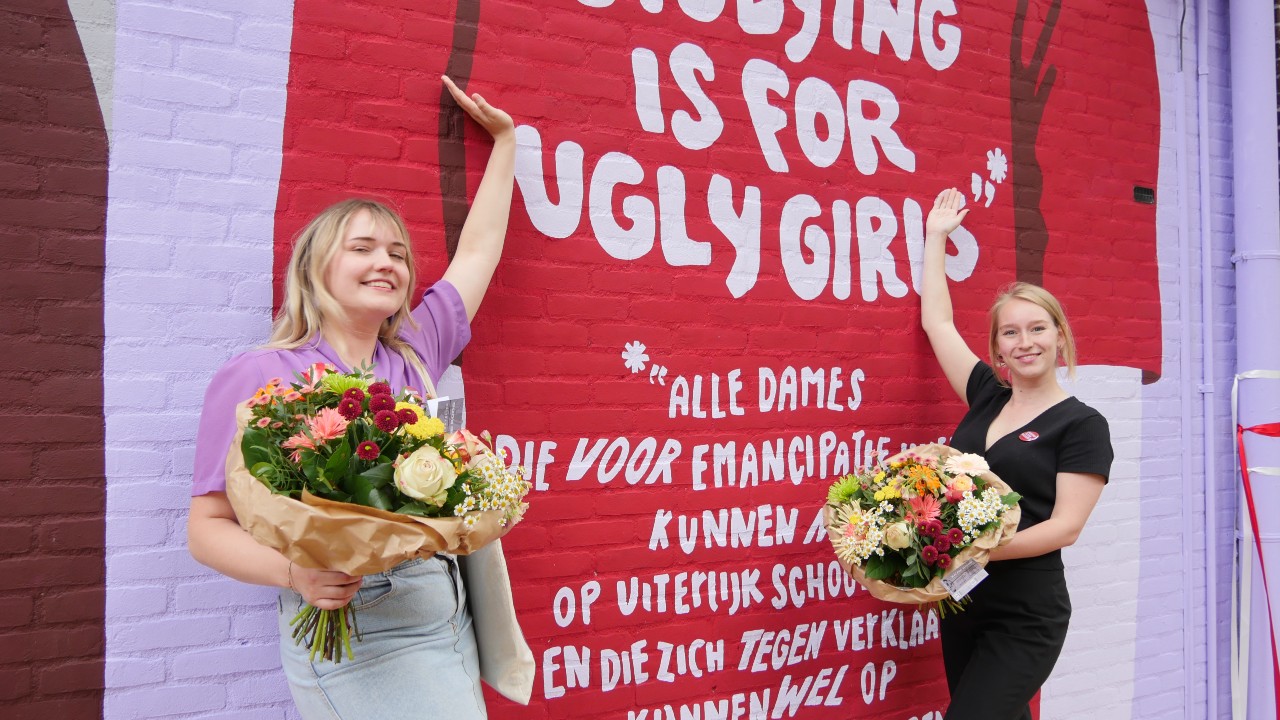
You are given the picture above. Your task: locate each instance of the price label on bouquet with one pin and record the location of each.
(449, 410)
(964, 578)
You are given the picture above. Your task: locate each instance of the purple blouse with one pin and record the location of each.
(442, 333)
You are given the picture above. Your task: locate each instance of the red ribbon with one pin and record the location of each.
(1269, 430)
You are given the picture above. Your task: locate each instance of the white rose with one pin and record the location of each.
(425, 476)
(897, 536)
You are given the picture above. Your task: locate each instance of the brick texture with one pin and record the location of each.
(236, 122)
(53, 187)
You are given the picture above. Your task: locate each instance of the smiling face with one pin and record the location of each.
(1027, 339)
(368, 275)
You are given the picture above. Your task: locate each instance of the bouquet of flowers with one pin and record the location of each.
(901, 527)
(338, 473)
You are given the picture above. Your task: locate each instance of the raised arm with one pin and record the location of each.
(936, 316)
(483, 233)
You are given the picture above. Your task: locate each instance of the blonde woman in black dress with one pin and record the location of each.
(1049, 446)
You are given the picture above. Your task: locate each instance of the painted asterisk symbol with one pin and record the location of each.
(634, 356)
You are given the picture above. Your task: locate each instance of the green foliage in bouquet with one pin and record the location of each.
(347, 438)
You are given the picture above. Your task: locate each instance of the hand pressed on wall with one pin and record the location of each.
(495, 121)
(946, 214)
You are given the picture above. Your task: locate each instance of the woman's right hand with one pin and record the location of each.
(324, 589)
(946, 214)
(494, 120)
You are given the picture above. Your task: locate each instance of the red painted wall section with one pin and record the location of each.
(647, 146)
(53, 181)
(1099, 140)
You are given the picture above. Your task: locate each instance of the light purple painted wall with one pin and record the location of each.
(195, 160)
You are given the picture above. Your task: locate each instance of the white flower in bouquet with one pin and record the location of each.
(497, 487)
(974, 512)
(861, 534)
(425, 476)
(897, 536)
(966, 464)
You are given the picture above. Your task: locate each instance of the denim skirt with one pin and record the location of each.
(416, 657)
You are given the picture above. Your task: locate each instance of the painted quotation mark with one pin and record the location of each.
(659, 372)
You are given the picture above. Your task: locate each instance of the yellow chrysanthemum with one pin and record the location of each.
(425, 426)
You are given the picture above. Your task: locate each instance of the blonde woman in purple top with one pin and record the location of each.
(346, 304)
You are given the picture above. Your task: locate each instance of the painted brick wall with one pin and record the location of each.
(197, 146)
(195, 154)
(53, 174)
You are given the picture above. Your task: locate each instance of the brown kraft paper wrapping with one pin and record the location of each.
(356, 540)
(979, 551)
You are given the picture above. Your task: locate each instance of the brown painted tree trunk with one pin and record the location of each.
(453, 151)
(1028, 92)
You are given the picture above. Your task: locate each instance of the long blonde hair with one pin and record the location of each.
(307, 300)
(1035, 295)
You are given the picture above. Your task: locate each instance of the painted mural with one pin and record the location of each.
(707, 308)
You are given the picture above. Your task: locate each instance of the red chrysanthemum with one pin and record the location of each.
(368, 450)
(942, 543)
(386, 420)
(379, 388)
(381, 402)
(407, 416)
(944, 561)
(955, 535)
(355, 394)
(349, 408)
(935, 528)
(929, 554)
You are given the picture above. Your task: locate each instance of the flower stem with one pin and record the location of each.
(326, 633)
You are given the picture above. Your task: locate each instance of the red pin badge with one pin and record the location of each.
(1028, 436)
